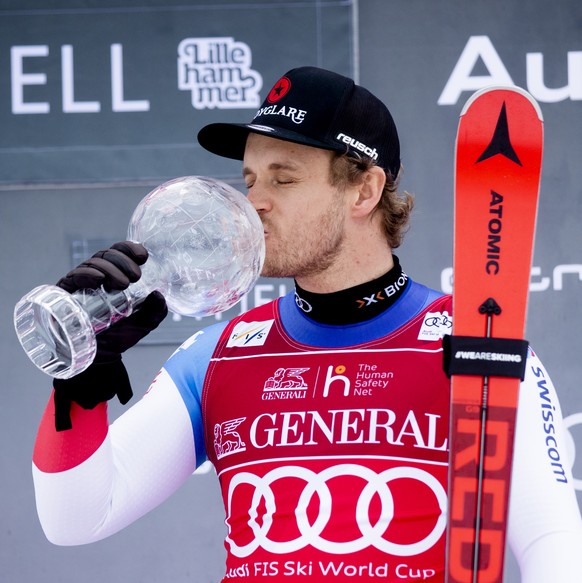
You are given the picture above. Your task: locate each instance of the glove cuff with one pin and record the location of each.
(99, 383)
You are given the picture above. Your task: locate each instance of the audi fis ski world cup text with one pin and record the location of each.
(330, 568)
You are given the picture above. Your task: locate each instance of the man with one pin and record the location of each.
(325, 413)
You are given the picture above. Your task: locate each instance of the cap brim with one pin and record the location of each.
(229, 140)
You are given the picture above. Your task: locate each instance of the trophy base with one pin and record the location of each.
(55, 332)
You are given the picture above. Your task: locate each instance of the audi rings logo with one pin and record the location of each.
(303, 304)
(437, 320)
(311, 532)
(435, 325)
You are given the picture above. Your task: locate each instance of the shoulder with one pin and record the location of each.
(189, 362)
(198, 349)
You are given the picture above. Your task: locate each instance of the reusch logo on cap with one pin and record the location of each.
(357, 145)
(280, 89)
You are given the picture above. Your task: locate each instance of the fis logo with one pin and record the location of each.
(250, 333)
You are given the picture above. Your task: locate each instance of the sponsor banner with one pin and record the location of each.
(119, 92)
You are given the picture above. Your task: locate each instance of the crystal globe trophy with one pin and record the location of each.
(206, 250)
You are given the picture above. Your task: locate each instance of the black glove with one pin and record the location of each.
(114, 269)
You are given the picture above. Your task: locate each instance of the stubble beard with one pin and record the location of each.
(311, 250)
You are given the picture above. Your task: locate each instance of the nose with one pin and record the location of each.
(259, 198)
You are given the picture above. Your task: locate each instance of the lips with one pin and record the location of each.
(265, 229)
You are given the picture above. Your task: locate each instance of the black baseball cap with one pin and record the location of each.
(317, 108)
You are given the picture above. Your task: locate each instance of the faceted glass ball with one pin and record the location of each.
(205, 242)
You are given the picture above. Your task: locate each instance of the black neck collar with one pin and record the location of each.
(355, 304)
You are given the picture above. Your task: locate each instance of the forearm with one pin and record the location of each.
(73, 475)
(545, 529)
(93, 480)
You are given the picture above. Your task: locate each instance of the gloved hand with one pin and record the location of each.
(114, 269)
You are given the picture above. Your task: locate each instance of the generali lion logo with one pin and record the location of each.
(226, 439)
(286, 378)
(286, 383)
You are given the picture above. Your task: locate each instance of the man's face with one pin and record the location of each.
(302, 213)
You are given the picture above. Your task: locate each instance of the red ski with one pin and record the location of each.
(497, 174)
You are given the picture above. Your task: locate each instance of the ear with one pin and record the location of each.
(369, 192)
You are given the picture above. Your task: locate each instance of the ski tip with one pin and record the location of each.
(513, 88)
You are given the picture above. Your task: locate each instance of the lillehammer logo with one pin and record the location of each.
(217, 71)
